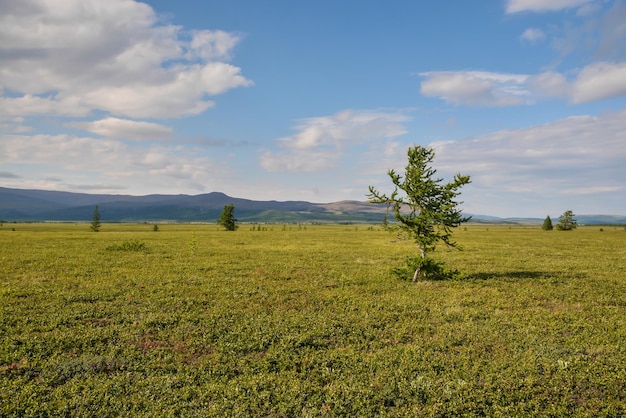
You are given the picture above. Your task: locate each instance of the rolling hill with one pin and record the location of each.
(44, 205)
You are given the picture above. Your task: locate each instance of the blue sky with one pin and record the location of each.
(284, 100)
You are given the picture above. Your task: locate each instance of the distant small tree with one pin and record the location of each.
(425, 210)
(547, 224)
(95, 223)
(567, 222)
(227, 218)
(155, 228)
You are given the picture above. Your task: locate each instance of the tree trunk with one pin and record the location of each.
(418, 270)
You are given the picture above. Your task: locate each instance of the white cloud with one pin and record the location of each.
(533, 35)
(345, 127)
(600, 81)
(516, 6)
(64, 161)
(125, 129)
(476, 88)
(548, 84)
(598, 31)
(319, 142)
(591, 190)
(543, 164)
(213, 45)
(29, 105)
(182, 95)
(596, 81)
(298, 161)
(64, 150)
(13, 124)
(71, 57)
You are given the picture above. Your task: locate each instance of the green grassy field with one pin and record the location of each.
(306, 320)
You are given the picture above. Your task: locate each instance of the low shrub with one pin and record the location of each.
(128, 246)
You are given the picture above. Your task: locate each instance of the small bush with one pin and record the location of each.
(128, 246)
(430, 269)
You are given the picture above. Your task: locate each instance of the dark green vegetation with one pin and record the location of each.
(95, 222)
(547, 224)
(425, 210)
(227, 218)
(293, 321)
(567, 222)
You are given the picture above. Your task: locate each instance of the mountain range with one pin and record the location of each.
(44, 205)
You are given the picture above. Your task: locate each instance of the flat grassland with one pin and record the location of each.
(306, 320)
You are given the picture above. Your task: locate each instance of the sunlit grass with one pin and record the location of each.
(307, 320)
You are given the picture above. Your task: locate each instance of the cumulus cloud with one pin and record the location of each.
(320, 141)
(594, 82)
(125, 129)
(29, 105)
(73, 57)
(516, 6)
(476, 88)
(213, 45)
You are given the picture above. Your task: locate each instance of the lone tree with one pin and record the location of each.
(95, 223)
(547, 224)
(227, 218)
(425, 209)
(567, 222)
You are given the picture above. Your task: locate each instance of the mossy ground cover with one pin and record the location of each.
(307, 320)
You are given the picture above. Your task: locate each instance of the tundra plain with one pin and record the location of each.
(307, 320)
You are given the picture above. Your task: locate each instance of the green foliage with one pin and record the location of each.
(428, 268)
(567, 222)
(128, 246)
(425, 209)
(95, 223)
(155, 228)
(547, 224)
(314, 326)
(227, 218)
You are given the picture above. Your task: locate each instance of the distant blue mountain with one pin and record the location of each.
(45, 205)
